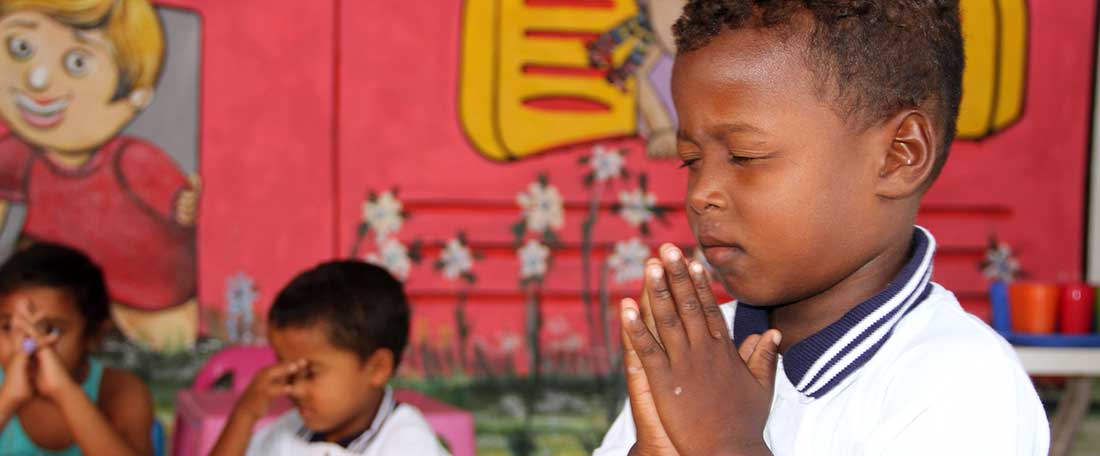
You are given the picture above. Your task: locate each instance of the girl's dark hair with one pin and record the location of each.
(63, 268)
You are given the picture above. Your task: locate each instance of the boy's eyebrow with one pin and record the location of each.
(734, 127)
(722, 130)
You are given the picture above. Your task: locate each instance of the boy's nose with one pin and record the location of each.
(38, 78)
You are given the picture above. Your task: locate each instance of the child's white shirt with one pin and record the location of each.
(935, 380)
(402, 431)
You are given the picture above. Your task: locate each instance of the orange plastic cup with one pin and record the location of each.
(1033, 307)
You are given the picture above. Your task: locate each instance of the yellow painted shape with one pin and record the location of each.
(995, 41)
(979, 27)
(494, 85)
(477, 80)
(1013, 64)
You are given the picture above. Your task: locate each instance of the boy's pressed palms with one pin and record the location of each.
(709, 397)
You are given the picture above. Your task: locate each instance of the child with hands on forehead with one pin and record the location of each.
(338, 330)
(55, 399)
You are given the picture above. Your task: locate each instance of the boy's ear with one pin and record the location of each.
(909, 159)
(380, 367)
(141, 97)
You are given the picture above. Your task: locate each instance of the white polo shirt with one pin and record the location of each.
(905, 372)
(397, 429)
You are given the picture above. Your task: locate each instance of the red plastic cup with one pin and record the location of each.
(1075, 305)
(1033, 307)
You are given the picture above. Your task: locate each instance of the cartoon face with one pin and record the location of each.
(57, 84)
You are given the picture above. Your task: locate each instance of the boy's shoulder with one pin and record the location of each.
(940, 351)
(940, 332)
(407, 432)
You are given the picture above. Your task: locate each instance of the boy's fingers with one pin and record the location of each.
(717, 326)
(682, 286)
(665, 316)
(645, 308)
(747, 347)
(762, 363)
(649, 352)
(638, 391)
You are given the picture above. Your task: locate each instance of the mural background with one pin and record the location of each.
(505, 158)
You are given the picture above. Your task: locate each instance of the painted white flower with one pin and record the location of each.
(557, 325)
(533, 257)
(456, 259)
(542, 207)
(383, 215)
(637, 206)
(628, 260)
(999, 264)
(394, 256)
(606, 164)
(509, 342)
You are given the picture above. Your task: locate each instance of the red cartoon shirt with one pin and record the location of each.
(119, 208)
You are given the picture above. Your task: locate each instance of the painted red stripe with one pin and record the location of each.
(553, 70)
(566, 103)
(602, 4)
(560, 35)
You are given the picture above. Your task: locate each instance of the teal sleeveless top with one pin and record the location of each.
(15, 442)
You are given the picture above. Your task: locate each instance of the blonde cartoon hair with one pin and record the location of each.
(132, 27)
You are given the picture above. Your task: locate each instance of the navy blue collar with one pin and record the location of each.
(820, 362)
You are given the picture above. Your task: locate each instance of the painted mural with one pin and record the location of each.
(74, 74)
(507, 159)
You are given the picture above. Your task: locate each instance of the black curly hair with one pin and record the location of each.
(361, 305)
(63, 268)
(877, 56)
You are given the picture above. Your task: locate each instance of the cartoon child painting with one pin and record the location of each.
(73, 73)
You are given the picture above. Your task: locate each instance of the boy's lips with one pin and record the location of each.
(41, 113)
(718, 251)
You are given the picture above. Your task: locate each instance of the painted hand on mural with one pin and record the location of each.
(188, 203)
(678, 365)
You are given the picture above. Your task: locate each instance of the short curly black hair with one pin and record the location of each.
(361, 305)
(878, 56)
(63, 268)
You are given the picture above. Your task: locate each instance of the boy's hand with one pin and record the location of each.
(709, 400)
(269, 383)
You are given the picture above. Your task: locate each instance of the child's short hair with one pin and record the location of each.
(63, 268)
(878, 56)
(132, 26)
(362, 306)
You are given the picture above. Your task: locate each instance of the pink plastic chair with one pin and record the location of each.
(244, 361)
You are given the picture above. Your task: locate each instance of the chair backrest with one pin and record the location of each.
(158, 438)
(244, 361)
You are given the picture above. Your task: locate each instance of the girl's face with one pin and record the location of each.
(59, 314)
